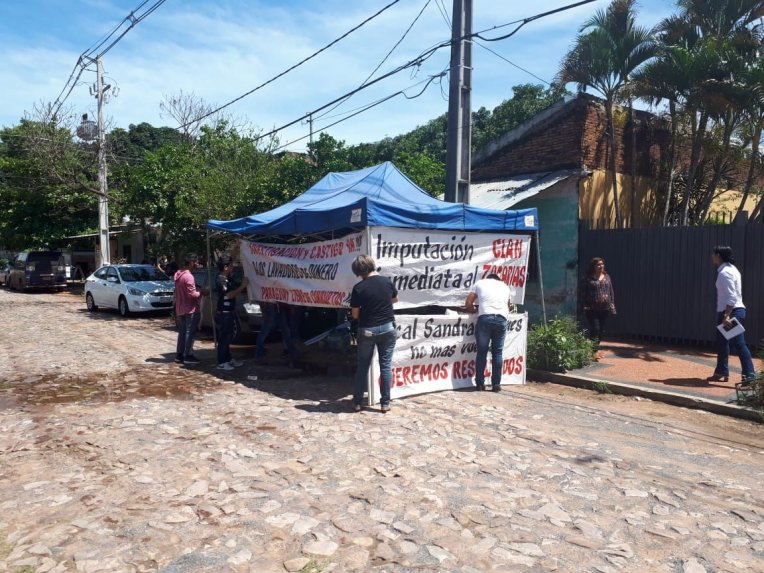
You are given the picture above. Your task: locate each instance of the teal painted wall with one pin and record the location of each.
(558, 223)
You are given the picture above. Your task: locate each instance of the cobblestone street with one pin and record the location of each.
(113, 458)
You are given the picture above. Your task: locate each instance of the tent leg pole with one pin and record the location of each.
(371, 387)
(541, 277)
(209, 285)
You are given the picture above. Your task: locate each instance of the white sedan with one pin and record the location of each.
(129, 288)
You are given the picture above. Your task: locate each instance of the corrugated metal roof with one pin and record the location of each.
(508, 192)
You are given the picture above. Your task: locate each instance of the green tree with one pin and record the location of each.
(527, 100)
(47, 183)
(705, 51)
(223, 175)
(610, 48)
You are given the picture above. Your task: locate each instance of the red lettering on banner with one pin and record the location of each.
(507, 248)
(275, 294)
(463, 369)
(511, 366)
(512, 275)
(418, 373)
(275, 251)
(335, 249)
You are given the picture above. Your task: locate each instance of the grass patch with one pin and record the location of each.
(602, 387)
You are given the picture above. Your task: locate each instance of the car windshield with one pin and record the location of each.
(144, 273)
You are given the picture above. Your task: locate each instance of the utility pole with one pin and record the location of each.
(458, 149)
(310, 122)
(103, 201)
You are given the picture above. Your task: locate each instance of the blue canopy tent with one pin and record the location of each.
(378, 196)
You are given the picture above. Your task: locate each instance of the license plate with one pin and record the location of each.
(165, 299)
(46, 278)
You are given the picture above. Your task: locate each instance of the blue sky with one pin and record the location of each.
(221, 49)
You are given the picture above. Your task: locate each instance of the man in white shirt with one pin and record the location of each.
(729, 305)
(492, 297)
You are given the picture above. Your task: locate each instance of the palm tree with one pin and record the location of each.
(752, 128)
(609, 48)
(721, 40)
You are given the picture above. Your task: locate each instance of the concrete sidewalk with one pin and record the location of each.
(667, 373)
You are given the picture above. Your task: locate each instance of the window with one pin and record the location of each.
(101, 273)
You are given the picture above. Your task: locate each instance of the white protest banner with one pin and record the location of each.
(439, 267)
(437, 352)
(309, 274)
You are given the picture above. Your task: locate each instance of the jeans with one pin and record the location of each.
(274, 317)
(491, 330)
(188, 325)
(224, 332)
(597, 320)
(737, 343)
(383, 338)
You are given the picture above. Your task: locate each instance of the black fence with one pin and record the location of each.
(664, 280)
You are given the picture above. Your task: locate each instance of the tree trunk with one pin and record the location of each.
(633, 215)
(672, 163)
(755, 142)
(698, 132)
(614, 186)
(721, 159)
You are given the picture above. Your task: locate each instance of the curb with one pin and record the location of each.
(624, 389)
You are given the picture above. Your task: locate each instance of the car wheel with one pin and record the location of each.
(124, 310)
(90, 303)
(237, 333)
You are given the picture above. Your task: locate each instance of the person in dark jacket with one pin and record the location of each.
(371, 304)
(225, 313)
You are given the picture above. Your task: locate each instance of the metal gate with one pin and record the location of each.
(664, 280)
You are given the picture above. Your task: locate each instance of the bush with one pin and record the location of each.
(559, 346)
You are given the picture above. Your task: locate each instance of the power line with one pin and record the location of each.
(415, 62)
(498, 55)
(90, 55)
(389, 53)
(443, 12)
(297, 65)
(528, 20)
(364, 108)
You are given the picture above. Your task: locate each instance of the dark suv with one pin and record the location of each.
(38, 269)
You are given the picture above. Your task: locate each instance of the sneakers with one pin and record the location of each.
(357, 407)
(479, 387)
(224, 366)
(236, 363)
(385, 408)
(496, 388)
(178, 359)
(191, 360)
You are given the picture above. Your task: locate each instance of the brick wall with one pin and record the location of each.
(575, 137)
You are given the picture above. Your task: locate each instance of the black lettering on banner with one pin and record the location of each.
(325, 272)
(442, 351)
(417, 353)
(455, 250)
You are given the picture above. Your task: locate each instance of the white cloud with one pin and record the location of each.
(220, 51)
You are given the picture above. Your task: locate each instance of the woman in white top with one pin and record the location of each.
(729, 305)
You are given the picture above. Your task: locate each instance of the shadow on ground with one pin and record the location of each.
(689, 382)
